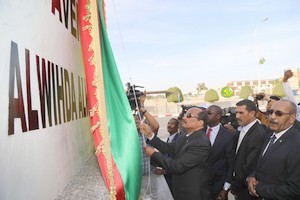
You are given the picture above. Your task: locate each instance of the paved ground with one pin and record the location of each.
(88, 183)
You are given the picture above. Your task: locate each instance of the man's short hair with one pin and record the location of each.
(203, 116)
(176, 121)
(250, 105)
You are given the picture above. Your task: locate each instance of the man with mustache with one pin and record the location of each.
(189, 166)
(277, 175)
(249, 144)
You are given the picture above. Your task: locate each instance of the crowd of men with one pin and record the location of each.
(206, 160)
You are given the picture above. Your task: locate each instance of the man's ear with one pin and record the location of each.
(201, 122)
(292, 119)
(253, 113)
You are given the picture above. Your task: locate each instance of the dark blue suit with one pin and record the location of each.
(278, 170)
(221, 160)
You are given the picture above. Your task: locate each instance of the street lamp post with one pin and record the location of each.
(259, 60)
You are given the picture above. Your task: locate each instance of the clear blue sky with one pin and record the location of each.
(166, 43)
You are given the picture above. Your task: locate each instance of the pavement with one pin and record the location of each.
(88, 183)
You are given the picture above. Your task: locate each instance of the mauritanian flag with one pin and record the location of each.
(112, 125)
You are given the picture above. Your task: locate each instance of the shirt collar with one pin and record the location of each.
(248, 126)
(279, 134)
(172, 136)
(215, 128)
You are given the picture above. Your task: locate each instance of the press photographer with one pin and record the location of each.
(134, 97)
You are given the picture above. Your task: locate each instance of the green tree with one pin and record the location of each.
(246, 91)
(211, 95)
(174, 94)
(278, 90)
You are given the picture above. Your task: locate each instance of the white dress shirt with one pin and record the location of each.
(213, 133)
(277, 135)
(243, 132)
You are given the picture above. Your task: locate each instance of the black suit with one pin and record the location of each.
(246, 159)
(221, 160)
(278, 170)
(189, 167)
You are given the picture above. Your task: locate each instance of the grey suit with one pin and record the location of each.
(278, 170)
(189, 166)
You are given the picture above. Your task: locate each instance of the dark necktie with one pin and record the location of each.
(272, 140)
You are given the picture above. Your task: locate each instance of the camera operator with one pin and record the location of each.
(228, 119)
(261, 104)
(150, 120)
(264, 103)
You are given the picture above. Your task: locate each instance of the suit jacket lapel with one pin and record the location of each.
(219, 138)
(248, 133)
(277, 144)
(179, 143)
(188, 139)
(175, 137)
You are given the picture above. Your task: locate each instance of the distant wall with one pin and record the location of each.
(44, 132)
(161, 106)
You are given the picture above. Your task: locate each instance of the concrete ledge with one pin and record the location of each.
(89, 184)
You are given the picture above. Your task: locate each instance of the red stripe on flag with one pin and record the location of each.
(86, 40)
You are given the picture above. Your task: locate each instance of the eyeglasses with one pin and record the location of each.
(189, 115)
(278, 113)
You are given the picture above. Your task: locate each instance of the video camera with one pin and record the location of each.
(133, 96)
(229, 116)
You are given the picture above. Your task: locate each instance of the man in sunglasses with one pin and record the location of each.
(189, 165)
(277, 175)
(249, 144)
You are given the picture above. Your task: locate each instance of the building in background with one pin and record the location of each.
(266, 85)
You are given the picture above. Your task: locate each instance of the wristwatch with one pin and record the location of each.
(144, 112)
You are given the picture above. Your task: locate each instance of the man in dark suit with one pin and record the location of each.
(189, 166)
(277, 175)
(172, 128)
(222, 155)
(249, 144)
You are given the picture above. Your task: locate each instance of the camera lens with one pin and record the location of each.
(259, 97)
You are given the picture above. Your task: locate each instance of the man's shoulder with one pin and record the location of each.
(294, 134)
(223, 131)
(258, 128)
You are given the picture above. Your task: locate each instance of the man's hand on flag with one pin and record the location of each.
(146, 130)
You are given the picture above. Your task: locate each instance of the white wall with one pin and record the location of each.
(38, 163)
